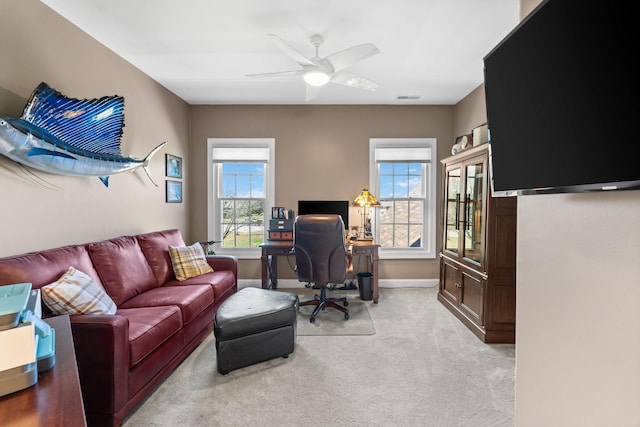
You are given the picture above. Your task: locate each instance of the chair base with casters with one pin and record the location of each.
(321, 302)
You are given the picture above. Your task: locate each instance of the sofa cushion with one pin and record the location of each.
(76, 293)
(155, 246)
(122, 267)
(192, 300)
(149, 327)
(42, 268)
(221, 281)
(188, 261)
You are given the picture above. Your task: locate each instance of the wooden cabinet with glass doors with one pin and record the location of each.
(478, 258)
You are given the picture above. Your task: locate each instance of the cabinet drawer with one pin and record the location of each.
(362, 250)
(280, 224)
(280, 235)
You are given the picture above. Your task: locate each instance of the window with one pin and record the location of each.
(241, 173)
(403, 178)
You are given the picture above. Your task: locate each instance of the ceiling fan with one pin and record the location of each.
(318, 71)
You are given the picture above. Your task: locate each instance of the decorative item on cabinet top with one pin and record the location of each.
(462, 143)
(480, 135)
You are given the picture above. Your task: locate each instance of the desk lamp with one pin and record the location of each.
(365, 200)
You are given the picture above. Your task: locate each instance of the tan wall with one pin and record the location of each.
(470, 112)
(577, 317)
(526, 6)
(322, 152)
(578, 351)
(38, 45)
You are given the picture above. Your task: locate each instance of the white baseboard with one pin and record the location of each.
(383, 283)
(408, 283)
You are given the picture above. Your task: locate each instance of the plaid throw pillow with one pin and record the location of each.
(189, 261)
(76, 293)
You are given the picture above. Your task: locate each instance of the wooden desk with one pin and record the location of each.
(56, 399)
(272, 249)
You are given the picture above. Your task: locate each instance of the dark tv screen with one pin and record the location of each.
(562, 101)
(336, 207)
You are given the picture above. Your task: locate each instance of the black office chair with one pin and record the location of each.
(321, 258)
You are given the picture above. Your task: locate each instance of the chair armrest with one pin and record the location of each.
(224, 262)
(101, 344)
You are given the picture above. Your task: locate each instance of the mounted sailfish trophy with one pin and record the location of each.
(65, 136)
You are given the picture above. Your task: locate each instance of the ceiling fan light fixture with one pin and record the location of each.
(316, 77)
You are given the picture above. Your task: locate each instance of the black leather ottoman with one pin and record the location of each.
(254, 325)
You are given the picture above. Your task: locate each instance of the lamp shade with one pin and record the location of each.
(366, 199)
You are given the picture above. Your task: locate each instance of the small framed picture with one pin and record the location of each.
(174, 166)
(277, 212)
(174, 191)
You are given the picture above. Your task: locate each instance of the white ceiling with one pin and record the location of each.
(201, 50)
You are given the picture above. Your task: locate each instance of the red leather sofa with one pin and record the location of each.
(158, 323)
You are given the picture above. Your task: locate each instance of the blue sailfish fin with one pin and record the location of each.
(42, 152)
(105, 180)
(94, 125)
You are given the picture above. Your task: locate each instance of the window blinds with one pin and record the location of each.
(403, 154)
(237, 154)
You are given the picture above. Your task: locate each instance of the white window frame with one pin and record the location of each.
(428, 251)
(213, 203)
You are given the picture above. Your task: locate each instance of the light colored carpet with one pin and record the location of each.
(422, 367)
(331, 321)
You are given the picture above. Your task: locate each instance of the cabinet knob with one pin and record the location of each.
(458, 285)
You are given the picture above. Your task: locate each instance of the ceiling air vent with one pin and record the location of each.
(403, 97)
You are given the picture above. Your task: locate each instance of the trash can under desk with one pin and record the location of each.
(365, 286)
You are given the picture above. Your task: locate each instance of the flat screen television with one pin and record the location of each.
(562, 101)
(338, 207)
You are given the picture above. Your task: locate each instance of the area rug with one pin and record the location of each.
(331, 321)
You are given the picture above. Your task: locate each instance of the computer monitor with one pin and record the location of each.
(338, 207)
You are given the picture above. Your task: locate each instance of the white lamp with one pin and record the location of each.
(316, 77)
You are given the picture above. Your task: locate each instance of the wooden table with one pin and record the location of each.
(56, 399)
(272, 249)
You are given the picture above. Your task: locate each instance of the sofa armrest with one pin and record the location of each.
(224, 262)
(101, 344)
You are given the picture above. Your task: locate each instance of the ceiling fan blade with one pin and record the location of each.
(353, 80)
(289, 51)
(344, 58)
(312, 92)
(277, 74)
